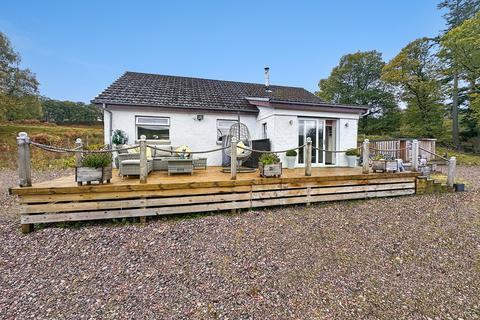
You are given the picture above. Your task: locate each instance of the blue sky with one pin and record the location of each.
(77, 48)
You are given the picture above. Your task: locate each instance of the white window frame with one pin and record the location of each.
(139, 122)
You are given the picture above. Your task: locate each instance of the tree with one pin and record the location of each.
(457, 12)
(462, 46)
(356, 80)
(414, 72)
(18, 87)
(69, 112)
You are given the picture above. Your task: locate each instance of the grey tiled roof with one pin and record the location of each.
(142, 89)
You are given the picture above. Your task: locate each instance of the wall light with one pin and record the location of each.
(199, 117)
(290, 122)
(346, 124)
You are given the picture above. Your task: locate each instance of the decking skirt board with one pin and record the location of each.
(58, 201)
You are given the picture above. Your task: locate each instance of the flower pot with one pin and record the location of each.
(88, 174)
(352, 161)
(291, 161)
(270, 170)
(385, 165)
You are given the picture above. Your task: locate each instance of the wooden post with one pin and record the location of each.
(233, 158)
(414, 155)
(78, 154)
(452, 166)
(366, 156)
(308, 157)
(24, 168)
(143, 159)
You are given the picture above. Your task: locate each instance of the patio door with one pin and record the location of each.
(315, 130)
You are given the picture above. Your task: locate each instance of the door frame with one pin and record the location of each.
(324, 120)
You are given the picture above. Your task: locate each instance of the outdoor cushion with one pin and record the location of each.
(183, 150)
(137, 150)
(133, 161)
(159, 153)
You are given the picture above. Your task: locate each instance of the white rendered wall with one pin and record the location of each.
(184, 127)
(284, 124)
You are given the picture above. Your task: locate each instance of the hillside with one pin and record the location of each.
(46, 133)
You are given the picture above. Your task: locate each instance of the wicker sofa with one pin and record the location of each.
(129, 164)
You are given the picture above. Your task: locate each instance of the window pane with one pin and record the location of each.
(154, 132)
(301, 140)
(153, 121)
(311, 132)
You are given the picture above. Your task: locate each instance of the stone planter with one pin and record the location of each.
(385, 166)
(352, 161)
(88, 174)
(291, 161)
(270, 170)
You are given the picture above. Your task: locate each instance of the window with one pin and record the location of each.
(264, 131)
(223, 128)
(154, 128)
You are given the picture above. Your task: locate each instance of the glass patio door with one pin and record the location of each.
(313, 129)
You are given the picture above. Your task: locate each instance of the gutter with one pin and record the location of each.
(104, 107)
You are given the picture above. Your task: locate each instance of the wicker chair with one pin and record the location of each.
(129, 164)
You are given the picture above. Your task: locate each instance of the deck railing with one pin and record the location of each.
(24, 161)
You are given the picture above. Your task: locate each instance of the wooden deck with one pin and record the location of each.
(205, 190)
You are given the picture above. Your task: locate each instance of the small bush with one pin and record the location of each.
(45, 138)
(97, 160)
(352, 152)
(269, 158)
(291, 153)
(119, 137)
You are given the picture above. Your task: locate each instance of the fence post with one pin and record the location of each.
(415, 155)
(143, 159)
(366, 156)
(24, 168)
(308, 157)
(78, 154)
(233, 158)
(452, 166)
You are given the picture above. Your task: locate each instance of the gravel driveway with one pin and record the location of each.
(413, 257)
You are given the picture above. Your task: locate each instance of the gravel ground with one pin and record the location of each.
(411, 257)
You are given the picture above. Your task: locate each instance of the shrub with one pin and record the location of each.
(352, 152)
(291, 153)
(97, 160)
(119, 137)
(269, 158)
(45, 138)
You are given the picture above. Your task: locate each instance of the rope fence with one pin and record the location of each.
(77, 149)
(433, 154)
(24, 145)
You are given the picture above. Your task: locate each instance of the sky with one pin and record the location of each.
(77, 48)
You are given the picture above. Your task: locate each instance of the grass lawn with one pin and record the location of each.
(58, 135)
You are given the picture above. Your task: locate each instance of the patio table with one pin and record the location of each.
(180, 166)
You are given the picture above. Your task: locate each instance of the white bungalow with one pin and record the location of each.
(197, 112)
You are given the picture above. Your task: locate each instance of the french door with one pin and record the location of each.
(323, 135)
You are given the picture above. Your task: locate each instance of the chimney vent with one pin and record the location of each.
(267, 77)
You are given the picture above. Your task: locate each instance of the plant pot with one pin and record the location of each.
(291, 161)
(385, 165)
(270, 170)
(88, 174)
(352, 161)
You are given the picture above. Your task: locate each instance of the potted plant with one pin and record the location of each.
(379, 163)
(291, 156)
(94, 167)
(119, 137)
(270, 165)
(352, 157)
